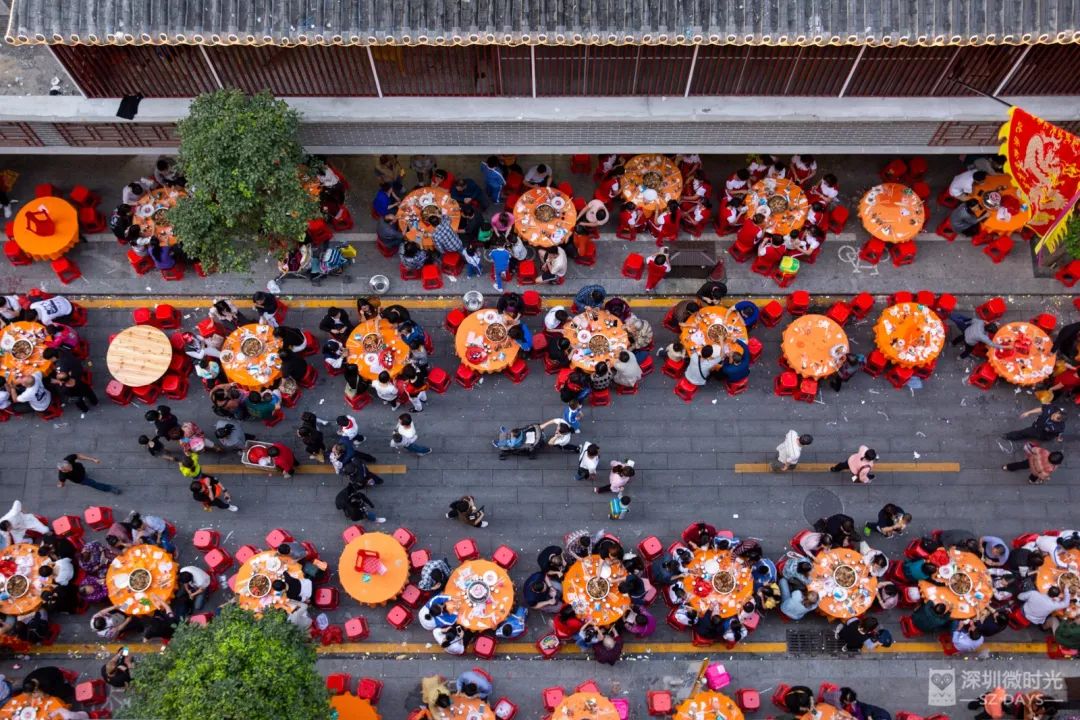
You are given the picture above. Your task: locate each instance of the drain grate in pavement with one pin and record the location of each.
(692, 258)
(812, 642)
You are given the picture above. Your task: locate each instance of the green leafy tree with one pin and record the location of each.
(238, 667)
(1072, 236)
(242, 162)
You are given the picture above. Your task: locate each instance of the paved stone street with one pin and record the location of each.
(686, 457)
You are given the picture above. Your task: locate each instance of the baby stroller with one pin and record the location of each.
(519, 441)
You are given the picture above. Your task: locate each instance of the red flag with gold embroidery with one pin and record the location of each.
(1044, 161)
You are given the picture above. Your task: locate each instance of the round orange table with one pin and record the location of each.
(149, 213)
(972, 602)
(139, 355)
(814, 346)
(544, 217)
(892, 212)
(463, 707)
(379, 579)
(423, 203)
(909, 334)
(13, 367)
(1050, 575)
(713, 325)
(350, 707)
(41, 704)
(482, 342)
(999, 220)
(373, 346)
(595, 336)
(1028, 357)
(163, 571)
(585, 706)
(258, 371)
(836, 601)
(707, 582)
(272, 565)
(781, 201)
(65, 231)
(604, 611)
(483, 594)
(27, 563)
(708, 705)
(825, 711)
(651, 182)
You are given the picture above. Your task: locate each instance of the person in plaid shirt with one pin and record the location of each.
(445, 237)
(1040, 461)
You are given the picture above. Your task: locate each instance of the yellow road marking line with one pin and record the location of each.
(901, 467)
(301, 469)
(660, 648)
(418, 303)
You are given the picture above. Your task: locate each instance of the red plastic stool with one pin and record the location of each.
(839, 312)
(907, 627)
(399, 617)
(531, 302)
(431, 277)
(369, 689)
(807, 390)
(526, 272)
(925, 371)
(218, 560)
(861, 305)
(485, 647)
(925, 298)
(504, 557)
(206, 540)
(737, 388)
(838, 218)
(325, 598)
(771, 313)
(945, 304)
(992, 309)
(438, 380)
(673, 369)
(83, 197)
(983, 377)
(356, 628)
(999, 249)
(945, 230)
(633, 266)
(755, 348)
(46, 190)
(118, 392)
(785, 384)
(518, 371)
(748, 699)
(553, 697)
(600, 398)
(405, 537)
(898, 376)
(505, 709)
(466, 549)
(453, 321)
(15, 255)
(466, 377)
(278, 536)
(872, 251)
(68, 526)
(174, 273)
(339, 683)
(91, 692)
(1045, 321)
(778, 696)
(686, 390)
(418, 559)
(98, 517)
(1069, 275)
(66, 270)
(798, 302)
(894, 171)
(659, 703)
(875, 364)
(903, 253)
(651, 548)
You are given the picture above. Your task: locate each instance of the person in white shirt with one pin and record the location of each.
(736, 186)
(33, 394)
(52, 309)
(963, 184)
(627, 370)
(554, 267)
(790, 450)
(10, 309)
(452, 639)
(133, 191)
(562, 437)
(537, 175)
(1038, 606)
(61, 570)
(195, 582)
(588, 461)
(385, 389)
(405, 436)
(967, 639)
(555, 318)
(701, 364)
(803, 168)
(828, 188)
(5, 396)
(110, 622)
(348, 429)
(15, 524)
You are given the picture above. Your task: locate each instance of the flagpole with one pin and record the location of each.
(980, 92)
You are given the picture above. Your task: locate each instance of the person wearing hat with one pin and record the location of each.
(1049, 425)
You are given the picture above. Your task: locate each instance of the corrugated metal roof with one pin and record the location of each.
(553, 22)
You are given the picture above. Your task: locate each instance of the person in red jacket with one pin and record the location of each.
(656, 268)
(611, 187)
